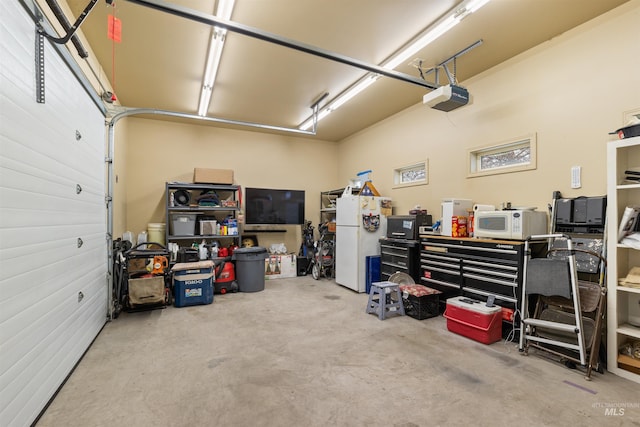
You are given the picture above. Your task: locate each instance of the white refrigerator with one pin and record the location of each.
(360, 222)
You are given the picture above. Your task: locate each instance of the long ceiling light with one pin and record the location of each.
(434, 31)
(218, 36)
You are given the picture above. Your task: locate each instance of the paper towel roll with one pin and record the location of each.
(478, 207)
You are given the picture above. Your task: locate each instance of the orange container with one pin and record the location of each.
(454, 226)
(459, 226)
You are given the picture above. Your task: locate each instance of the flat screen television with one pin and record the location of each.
(271, 206)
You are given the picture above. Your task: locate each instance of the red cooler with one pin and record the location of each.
(473, 319)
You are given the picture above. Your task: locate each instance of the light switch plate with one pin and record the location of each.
(575, 176)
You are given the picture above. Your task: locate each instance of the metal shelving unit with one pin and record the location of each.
(227, 194)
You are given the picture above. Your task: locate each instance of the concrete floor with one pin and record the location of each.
(304, 353)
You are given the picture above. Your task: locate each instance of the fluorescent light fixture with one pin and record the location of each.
(474, 5)
(218, 36)
(421, 42)
(343, 99)
(434, 31)
(337, 102)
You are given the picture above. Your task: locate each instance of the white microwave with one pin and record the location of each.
(509, 224)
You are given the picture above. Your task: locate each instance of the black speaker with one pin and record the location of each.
(564, 211)
(596, 210)
(580, 210)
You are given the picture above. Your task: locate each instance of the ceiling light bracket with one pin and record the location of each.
(315, 108)
(219, 33)
(451, 76)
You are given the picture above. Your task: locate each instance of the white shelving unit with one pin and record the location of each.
(621, 155)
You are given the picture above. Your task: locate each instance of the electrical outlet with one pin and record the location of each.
(575, 176)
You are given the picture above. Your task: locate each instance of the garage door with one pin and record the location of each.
(53, 260)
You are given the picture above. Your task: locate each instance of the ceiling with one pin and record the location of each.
(161, 59)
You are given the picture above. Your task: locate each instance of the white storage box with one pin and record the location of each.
(280, 266)
(208, 227)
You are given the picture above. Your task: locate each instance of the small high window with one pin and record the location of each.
(413, 174)
(514, 155)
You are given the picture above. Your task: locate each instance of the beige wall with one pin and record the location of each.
(160, 151)
(570, 91)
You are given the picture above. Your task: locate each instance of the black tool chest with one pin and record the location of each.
(476, 268)
(399, 256)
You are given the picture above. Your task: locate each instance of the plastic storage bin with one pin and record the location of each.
(250, 268)
(183, 224)
(473, 319)
(193, 283)
(420, 302)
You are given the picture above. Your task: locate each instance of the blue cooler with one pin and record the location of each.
(193, 283)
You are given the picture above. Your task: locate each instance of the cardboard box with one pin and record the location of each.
(280, 266)
(212, 176)
(629, 363)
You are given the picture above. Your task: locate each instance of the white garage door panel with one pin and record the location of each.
(44, 326)
(50, 207)
(23, 386)
(28, 162)
(44, 278)
(21, 350)
(24, 191)
(58, 149)
(50, 274)
(30, 242)
(51, 218)
(54, 191)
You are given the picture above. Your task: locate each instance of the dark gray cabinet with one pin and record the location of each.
(476, 268)
(399, 255)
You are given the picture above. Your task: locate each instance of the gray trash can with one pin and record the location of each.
(250, 268)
